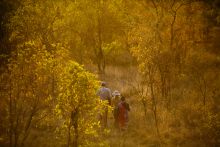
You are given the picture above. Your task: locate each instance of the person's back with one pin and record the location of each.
(123, 108)
(105, 95)
(116, 98)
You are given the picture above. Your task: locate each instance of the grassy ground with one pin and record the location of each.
(138, 134)
(141, 131)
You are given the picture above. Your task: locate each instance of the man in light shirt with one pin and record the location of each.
(105, 95)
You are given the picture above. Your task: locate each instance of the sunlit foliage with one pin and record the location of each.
(48, 97)
(40, 85)
(176, 62)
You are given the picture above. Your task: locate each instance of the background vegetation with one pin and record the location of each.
(163, 55)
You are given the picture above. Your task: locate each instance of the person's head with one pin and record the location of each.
(116, 93)
(103, 84)
(122, 98)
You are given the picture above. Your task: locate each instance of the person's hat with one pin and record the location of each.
(116, 93)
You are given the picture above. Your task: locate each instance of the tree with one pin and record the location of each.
(40, 56)
(170, 39)
(78, 105)
(37, 82)
(26, 91)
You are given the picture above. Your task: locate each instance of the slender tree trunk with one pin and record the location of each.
(74, 118)
(16, 134)
(10, 117)
(203, 88)
(69, 134)
(145, 108)
(154, 109)
(101, 57)
(76, 136)
(150, 74)
(27, 126)
(204, 91)
(17, 123)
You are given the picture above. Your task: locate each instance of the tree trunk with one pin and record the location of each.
(74, 118)
(151, 84)
(69, 134)
(10, 118)
(100, 55)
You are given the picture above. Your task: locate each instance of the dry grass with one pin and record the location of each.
(142, 131)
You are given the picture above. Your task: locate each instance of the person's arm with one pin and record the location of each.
(127, 106)
(109, 101)
(109, 96)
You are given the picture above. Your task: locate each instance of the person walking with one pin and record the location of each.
(115, 101)
(123, 108)
(105, 95)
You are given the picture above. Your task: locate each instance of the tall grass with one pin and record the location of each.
(180, 126)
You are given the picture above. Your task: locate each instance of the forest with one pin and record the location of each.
(163, 56)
